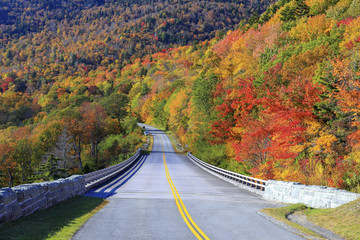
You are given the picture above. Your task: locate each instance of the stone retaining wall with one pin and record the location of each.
(25, 199)
(311, 196)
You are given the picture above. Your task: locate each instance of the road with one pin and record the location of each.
(145, 204)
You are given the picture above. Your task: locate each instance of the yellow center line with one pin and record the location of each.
(180, 205)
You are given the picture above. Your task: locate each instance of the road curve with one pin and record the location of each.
(144, 204)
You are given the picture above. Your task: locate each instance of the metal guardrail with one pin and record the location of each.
(248, 181)
(96, 178)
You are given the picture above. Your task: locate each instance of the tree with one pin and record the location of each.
(202, 92)
(76, 130)
(63, 148)
(23, 151)
(93, 116)
(115, 105)
(51, 170)
(294, 10)
(8, 163)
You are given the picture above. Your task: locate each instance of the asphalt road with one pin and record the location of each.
(143, 205)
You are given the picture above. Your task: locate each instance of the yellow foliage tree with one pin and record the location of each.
(311, 28)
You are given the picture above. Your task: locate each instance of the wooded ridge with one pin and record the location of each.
(275, 96)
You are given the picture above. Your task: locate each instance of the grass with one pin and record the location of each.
(58, 222)
(150, 144)
(173, 141)
(281, 214)
(343, 220)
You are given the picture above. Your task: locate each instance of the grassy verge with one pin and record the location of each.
(343, 220)
(58, 222)
(281, 213)
(150, 143)
(174, 143)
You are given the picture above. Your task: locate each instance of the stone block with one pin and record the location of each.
(335, 203)
(308, 192)
(44, 186)
(31, 201)
(2, 208)
(50, 195)
(28, 210)
(288, 199)
(63, 193)
(61, 182)
(7, 195)
(299, 186)
(321, 203)
(27, 191)
(51, 201)
(54, 185)
(43, 203)
(25, 204)
(14, 209)
(307, 200)
(295, 193)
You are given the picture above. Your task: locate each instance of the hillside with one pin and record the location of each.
(276, 96)
(278, 99)
(64, 104)
(100, 33)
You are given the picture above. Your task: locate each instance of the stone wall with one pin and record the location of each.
(28, 198)
(311, 196)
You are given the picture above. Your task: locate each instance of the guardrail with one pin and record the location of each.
(254, 183)
(96, 178)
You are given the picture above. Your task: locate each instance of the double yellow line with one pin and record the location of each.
(199, 234)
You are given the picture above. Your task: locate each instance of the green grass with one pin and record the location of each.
(281, 213)
(343, 220)
(58, 222)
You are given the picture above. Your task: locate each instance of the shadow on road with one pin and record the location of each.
(104, 193)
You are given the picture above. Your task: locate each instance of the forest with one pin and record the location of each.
(64, 105)
(275, 99)
(270, 89)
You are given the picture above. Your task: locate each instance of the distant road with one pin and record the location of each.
(144, 206)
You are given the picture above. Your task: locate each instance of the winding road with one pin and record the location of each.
(166, 196)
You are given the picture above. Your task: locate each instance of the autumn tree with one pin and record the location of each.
(8, 163)
(76, 130)
(93, 117)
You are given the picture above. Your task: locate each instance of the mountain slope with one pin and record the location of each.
(279, 96)
(64, 102)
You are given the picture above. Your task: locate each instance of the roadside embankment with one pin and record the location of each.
(25, 199)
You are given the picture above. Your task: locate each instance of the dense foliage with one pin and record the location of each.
(111, 32)
(277, 97)
(280, 95)
(64, 105)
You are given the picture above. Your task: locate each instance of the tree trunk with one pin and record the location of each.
(23, 177)
(11, 181)
(79, 155)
